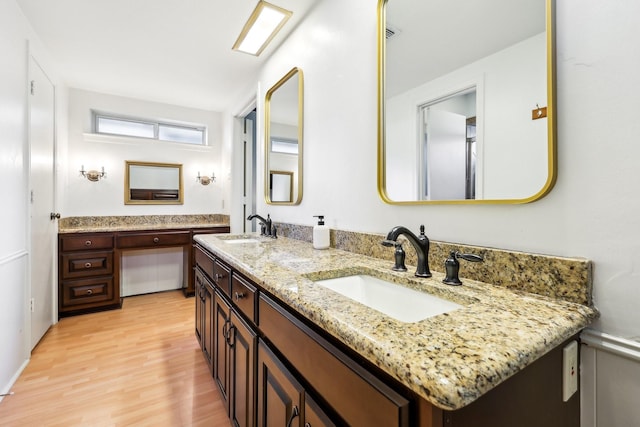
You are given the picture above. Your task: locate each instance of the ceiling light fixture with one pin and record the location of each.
(262, 26)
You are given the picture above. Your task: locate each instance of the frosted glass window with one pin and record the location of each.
(124, 127)
(181, 134)
(112, 124)
(286, 146)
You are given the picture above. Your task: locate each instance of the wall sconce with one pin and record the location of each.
(206, 180)
(93, 175)
(262, 26)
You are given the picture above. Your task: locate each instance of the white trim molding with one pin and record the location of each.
(627, 348)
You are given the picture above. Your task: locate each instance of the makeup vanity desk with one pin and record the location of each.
(90, 252)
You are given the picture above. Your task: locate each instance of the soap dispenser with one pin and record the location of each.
(320, 234)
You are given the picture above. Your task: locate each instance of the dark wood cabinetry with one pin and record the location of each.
(86, 273)
(242, 346)
(89, 264)
(282, 400)
(280, 395)
(234, 361)
(221, 355)
(274, 368)
(204, 295)
(332, 374)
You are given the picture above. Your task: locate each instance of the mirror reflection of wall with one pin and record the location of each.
(434, 56)
(153, 183)
(283, 106)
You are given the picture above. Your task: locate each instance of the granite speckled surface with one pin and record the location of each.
(87, 224)
(556, 277)
(450, 359)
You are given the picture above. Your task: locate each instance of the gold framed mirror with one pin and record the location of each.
(283, 138)
(148, 183)
(466, 101)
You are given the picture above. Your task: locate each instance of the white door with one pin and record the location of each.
(446, 155)
(43, 229)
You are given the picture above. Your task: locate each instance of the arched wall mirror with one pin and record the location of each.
(283, 138)
(466, 101)
(147, 183)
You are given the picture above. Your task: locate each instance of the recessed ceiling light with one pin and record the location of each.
(262, 26)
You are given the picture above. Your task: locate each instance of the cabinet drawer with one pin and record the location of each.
(244, 296)
(86, 242)
(204, 261)
(153, 239)
(222, 277)
(87, 292)
(334, 376)
(86, 264)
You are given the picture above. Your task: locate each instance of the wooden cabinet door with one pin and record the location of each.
(280, 396)
(208, 322)
(314, 416)
(198, 298)
(242, 342)
(221, 353)
(205, 319)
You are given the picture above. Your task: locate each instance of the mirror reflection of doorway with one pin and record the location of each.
(281, 186)
(448, 161)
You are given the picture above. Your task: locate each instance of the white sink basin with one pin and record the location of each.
(401, 303)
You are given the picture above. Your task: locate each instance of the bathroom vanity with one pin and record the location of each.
(90, 251)
(284, 350)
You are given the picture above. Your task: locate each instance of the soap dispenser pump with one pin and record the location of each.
(320, 234)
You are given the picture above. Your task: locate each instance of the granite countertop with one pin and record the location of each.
(450, 359)
(95, 224)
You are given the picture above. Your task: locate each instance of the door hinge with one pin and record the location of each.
(33, 87)
(31, 196)
(32, 305)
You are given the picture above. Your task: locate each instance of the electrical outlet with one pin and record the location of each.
(569, 370)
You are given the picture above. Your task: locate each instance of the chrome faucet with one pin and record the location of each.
(266, 226)
(420, 243)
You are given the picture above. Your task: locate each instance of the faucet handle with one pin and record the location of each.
(470, 257)
(422, 229)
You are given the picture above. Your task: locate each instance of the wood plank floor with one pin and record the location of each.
(138, 366)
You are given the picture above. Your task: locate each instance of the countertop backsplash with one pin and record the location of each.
(569, 279)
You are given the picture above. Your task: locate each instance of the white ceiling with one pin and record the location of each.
(437, 37)
(171, 51)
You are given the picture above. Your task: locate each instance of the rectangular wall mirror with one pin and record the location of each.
(147, 183)
(466, 101)
(283, 140)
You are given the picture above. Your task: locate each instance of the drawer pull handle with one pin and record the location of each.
(294, 413)
(156, 239)
(87, 265)
(87, 243)
(89, 291)
(240, 295)
(219, 276)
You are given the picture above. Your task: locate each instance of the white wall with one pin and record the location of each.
(17, 42)
(592, 211)
(512, 148)
(106, 197)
